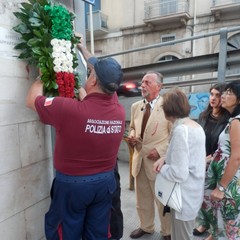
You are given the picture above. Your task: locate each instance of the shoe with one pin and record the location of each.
(137, 233)
(167, 237)
(196, 232)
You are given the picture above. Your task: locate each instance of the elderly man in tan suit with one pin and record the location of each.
(150, 143)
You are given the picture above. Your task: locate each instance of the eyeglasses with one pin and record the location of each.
(228, 93)
(88, 72)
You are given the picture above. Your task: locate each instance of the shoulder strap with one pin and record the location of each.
(237, 118)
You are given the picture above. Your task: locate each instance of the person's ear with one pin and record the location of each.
(92, 81)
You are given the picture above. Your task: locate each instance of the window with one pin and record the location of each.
(168, 7)
(95, 7)
(167, 58)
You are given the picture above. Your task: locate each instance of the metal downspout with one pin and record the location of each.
(222, 59)
(79, 23)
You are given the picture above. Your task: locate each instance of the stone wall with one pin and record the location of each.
(26, 170)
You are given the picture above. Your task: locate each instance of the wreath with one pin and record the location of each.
(48, 42)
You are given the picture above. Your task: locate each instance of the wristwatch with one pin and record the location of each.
(221, 188)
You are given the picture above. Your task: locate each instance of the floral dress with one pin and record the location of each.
(224, 215)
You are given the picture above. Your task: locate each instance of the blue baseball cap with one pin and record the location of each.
(109, 72)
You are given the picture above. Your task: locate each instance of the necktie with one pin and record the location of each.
(145, 118)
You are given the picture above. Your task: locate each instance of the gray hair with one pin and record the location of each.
(159, 76)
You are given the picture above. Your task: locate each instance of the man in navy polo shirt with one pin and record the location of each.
(88, 136)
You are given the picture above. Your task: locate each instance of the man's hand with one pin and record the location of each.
(81, 93)
(35, 90)
(153, 155)
(79, 35)
(132, 141)
(86, 54)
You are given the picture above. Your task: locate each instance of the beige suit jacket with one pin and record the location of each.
(156, 135)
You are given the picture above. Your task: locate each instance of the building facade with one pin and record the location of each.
(26, 145)
(124, 25)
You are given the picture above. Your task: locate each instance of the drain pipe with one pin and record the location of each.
(222, 59)
(79, 10)
(193, 34)
(194, 27)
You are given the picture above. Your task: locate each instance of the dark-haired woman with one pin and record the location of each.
(222, 186)
(184, 162)
(213, 120)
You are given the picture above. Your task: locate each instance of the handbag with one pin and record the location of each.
(168, 193)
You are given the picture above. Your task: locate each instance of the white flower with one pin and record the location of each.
(56, 69)
(57, 62)
(68, 45)
(69, 56)
(54, 54)
(54, 42)
(70, 69)
(63, 58)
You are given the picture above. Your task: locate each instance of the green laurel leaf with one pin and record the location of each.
(21, 28)
(36, 30)
(37, 51)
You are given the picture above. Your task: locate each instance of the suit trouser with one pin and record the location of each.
(145, 195)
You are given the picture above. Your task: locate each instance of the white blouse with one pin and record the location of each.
(185, 163)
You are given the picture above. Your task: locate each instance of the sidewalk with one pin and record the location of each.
(131, 221)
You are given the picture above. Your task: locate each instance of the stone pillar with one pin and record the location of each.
(26, 170)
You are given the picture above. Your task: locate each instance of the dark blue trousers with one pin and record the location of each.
(81, 206)
(116, 221)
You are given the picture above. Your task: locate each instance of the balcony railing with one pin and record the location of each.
(225, 7)
(100, 25)
(217, 3)
(162, 8)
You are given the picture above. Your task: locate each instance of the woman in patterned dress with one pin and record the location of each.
(222, 187)
(213, 120)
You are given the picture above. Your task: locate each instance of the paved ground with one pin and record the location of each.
(131, 221)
